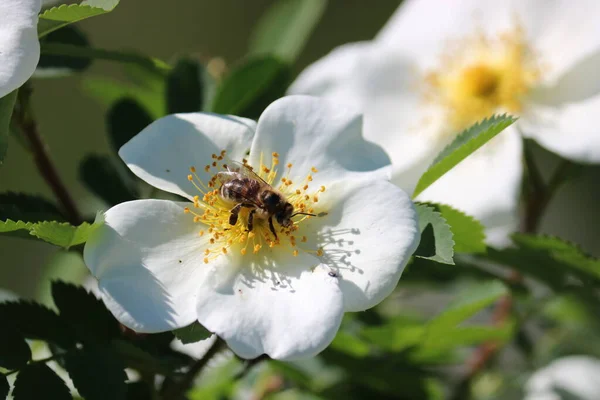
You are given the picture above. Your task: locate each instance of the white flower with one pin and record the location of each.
(19, 45)
(162, 264)
(576, 376)
(439, 66)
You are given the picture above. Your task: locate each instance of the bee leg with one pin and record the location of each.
(233, 217)
(251, 220)
(272, 228)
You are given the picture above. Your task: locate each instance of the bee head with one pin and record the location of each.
(283, 217)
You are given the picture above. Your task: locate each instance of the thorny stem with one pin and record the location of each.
(24, 119)
(537, 197)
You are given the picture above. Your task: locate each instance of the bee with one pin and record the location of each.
(242, 186)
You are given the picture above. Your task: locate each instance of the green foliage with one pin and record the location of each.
(7, 104)
(286, 27)
(14, 351)
(97, 373)
(49, 63)
(125, 119)
(35, 321)
(101, 177)
(185, 87)
(251, 86)
(63, 15)
(466, 143)
(60, 234)
(88, 316)
(468, 233)
(27, 208)
(192, 333)
(38, 381)
(436, 237)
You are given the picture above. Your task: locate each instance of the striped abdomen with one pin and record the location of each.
(240, 190)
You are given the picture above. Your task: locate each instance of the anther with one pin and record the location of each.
(192, 169)
(320, 252)
(322, 188)
(289, 165)
(295, 253)
(186, 210)
(190, 178)
(313, 169)
(243, 251)
(205, 260)
(275, 154)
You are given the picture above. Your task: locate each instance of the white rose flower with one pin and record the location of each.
(19, 45)
(574, 376)
(439, 66)
(163, 264)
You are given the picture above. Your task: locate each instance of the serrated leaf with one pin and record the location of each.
(11, 226)
(468, 233)
(470, 302)
(57, 17)
(38, 381)
(436, 237)
(251, 86)
(185, 87)
(125, 119)
(101, 177)
(4, 387)
(35, 321)
(14, 351)
(7, 104)
(192, 333)
(467, 142)
(62, 234)
(285, 28)
(27, 208)
(84, 312)
(97, 373)
(108, 91)
(58, 65)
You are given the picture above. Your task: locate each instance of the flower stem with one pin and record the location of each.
(24, 119)
(177, 390)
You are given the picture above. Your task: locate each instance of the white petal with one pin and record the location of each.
(576, 374)
(163, 152)
(421, 28)
(381, 82)
(312, 132)
(290, 308)
(19, 45)
(368, 236)
(563, 119)
(148, 261)
(486, 185)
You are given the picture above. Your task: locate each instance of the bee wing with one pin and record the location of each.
(243, 170)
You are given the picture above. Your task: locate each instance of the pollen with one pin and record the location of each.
(213, 213)
(482, 75)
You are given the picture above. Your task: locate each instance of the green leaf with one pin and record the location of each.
(7, 104)
(97, 373)
(470, 302)
(192, 333)
(57, 64)
(108, 91)
(14, 351)
(11, 226)
(185, 87)
(62, 234)
(397, 335)
(350, 344)
(57, 17)
(468, 233)
(286, 27)
(102, 178)
(467, 142)
(436, 237)
(251, 86)
(38, 381)
(125, 119)
(27, 208)
(84, 312)
(34, 321)
(4, 387)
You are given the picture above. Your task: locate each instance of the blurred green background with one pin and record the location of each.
(73, 122)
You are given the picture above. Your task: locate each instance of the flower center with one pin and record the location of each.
(256, 225)
(482, 76)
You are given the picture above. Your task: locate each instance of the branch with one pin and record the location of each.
(24, 119)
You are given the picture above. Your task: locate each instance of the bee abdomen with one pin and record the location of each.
(239, 190)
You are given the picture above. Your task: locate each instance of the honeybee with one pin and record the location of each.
(242, 186)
